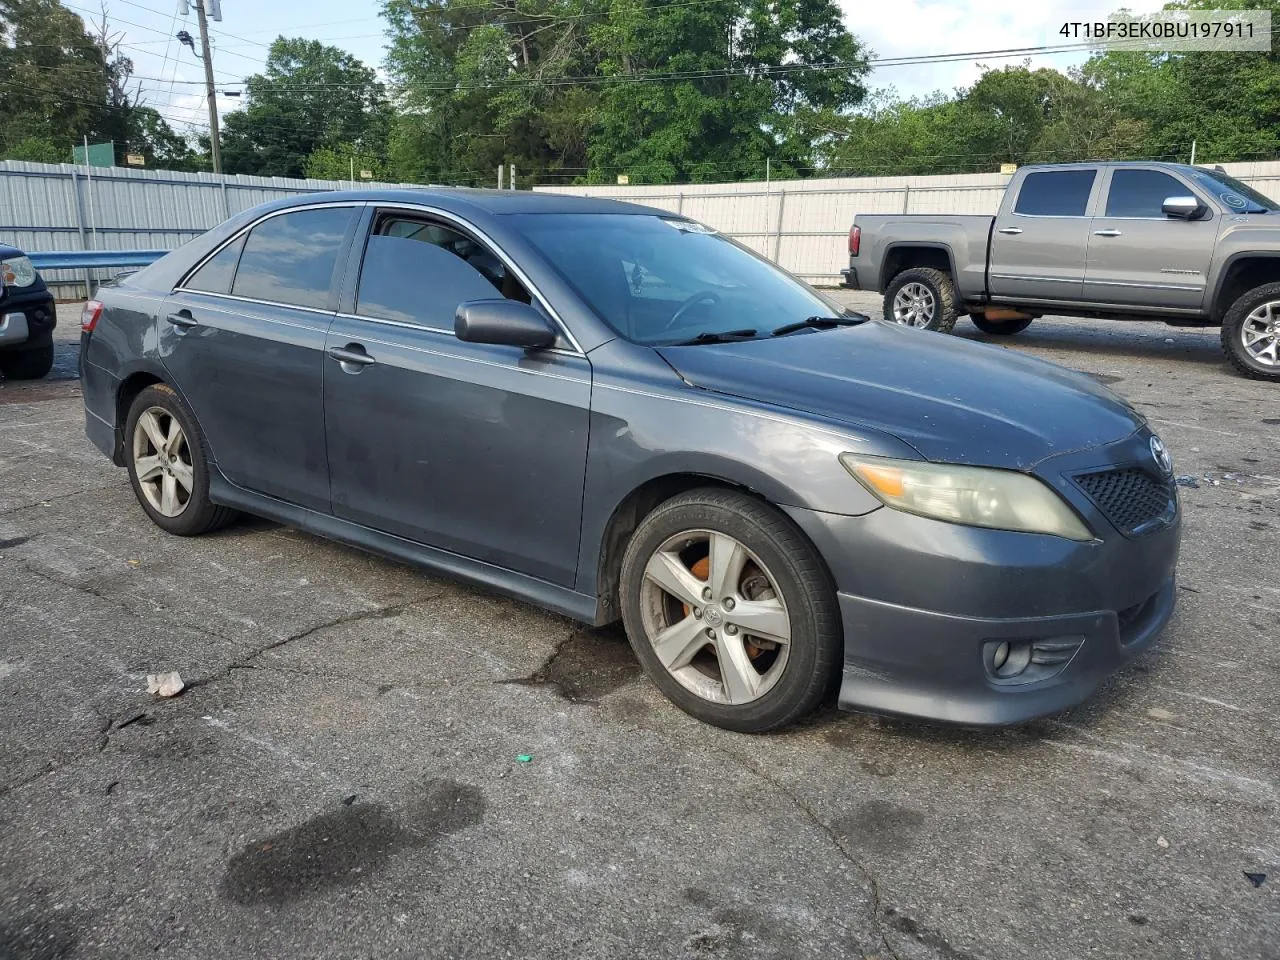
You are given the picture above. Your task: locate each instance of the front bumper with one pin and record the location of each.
(27, 317)
(925, 605)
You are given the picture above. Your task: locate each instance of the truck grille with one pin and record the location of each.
(1130, 498)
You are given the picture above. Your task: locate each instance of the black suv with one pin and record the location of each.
(27, 318)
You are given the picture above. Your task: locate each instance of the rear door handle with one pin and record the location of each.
(352, 355)
(1012, 231)
(183, 319)
(1106, 233)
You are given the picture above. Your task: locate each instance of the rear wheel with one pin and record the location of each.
(731, 611)
(29, 364)
(169, 465)
(921, 297)
(999, 328)
(1251, 333)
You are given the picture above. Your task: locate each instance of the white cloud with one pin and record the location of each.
(919, 27)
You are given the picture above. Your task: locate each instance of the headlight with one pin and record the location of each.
(977, 496)
(17, 272)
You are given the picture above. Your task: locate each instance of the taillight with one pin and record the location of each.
(89, 316)
(855, 240)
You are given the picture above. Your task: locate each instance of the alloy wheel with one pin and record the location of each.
(1260, 334)
(162, 462)
(914, 305)
(715, 617)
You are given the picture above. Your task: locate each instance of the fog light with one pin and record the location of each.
(1006, 659)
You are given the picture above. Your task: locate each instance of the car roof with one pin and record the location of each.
(1165, 164)
(464, 199)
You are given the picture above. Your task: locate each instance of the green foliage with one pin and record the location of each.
(37, 150)
(662, 90)
(310, 95)
(339, 163)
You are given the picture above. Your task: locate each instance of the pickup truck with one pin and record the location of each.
(1188, 245)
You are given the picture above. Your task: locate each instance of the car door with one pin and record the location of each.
(1140, 256)
(1038, 246)
(477, 449)
(243, 337)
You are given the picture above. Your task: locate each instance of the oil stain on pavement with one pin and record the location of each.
(344, 846)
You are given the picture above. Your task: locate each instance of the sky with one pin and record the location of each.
(173, 81)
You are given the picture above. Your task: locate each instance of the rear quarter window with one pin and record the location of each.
(217, 272)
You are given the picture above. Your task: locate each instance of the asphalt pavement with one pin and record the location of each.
(370, 761)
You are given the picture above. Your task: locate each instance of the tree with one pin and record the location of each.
(659, 89)
(342, 162)
(310, 95)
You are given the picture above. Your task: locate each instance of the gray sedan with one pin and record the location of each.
(617, 413)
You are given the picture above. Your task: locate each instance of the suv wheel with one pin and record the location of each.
(1251, 333)
(29, 364)
(731, 611)
(922, 297)
(169, 464)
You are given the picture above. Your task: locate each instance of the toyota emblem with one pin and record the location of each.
(1161, 454)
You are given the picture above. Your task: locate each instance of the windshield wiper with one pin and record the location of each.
(724, 336)
(820, 323)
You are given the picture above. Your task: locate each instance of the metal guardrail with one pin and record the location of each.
(88, 259)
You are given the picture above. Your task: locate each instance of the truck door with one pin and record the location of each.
(1041, 237)
(1140, 257)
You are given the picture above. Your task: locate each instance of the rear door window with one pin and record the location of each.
(216, 273)
(1055, 193)
(1142, 193)
(291, 258)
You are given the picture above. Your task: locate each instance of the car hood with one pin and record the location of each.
(953, 400)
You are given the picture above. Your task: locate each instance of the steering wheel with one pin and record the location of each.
(702, 296)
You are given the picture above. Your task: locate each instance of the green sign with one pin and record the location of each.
(95, 155)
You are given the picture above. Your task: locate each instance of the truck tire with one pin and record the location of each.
(999, 328)
(1251, 333)
(29, 364)
(922, 297)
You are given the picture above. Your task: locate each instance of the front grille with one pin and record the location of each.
(1129, 497)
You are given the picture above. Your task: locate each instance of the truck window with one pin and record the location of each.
(1055, 193)
(1141, 193)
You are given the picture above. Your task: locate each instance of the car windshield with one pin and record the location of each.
(661, 281)
(1234, 194)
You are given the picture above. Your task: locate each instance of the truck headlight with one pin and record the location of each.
(17, 272)
(976, 496)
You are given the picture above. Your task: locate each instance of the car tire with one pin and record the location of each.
(770, 577)
(169, 470)
(999, 328)
(1254, 317)
(922, 297)
(29, 364)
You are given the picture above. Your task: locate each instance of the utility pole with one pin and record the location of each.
(210, 93)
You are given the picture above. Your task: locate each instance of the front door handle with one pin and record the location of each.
(183, 320)
(1106, 233)
(352, 357)
(1012, 231)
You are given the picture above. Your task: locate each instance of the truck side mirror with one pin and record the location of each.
(1182, 208)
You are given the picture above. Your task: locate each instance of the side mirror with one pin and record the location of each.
(1182, 208)
(506, 322)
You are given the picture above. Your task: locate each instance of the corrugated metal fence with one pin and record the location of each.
(63, 206)
(803, 224)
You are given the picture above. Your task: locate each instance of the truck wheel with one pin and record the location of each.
(999, 328)
(921, 297)
(27, 364)
(1251, 333)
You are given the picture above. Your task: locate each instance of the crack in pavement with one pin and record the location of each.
(51, 500)
(540, 674)
(877, 908)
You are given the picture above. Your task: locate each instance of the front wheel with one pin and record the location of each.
(999, 328)
(922, 297)
(1251, 333)
(731, 611)
(29, 364)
